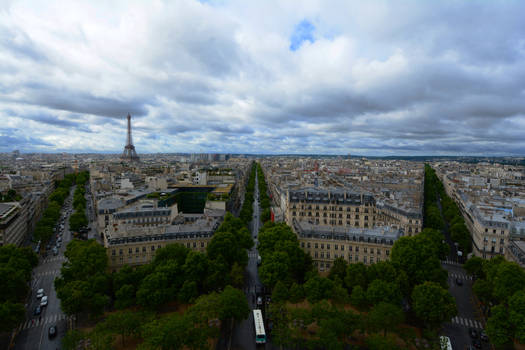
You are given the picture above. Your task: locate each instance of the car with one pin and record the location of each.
(52, 331)
(476, 343)
(55, 251)
(40, 293)
(59, 244)
(268, 299)
(473, 333)
(259, 301)
(38, 310)
(484, 336)
(43, 302)
(59, 239)
(459, 281)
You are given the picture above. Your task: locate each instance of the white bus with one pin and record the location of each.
(445, 343)
(258, 322)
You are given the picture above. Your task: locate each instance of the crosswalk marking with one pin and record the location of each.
(54, 258)
(450, 262)
(466, 322)
(460, 276)
(37, 322)
(47, 273)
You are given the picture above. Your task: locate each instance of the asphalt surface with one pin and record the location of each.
(33, 333)
(460, 287)
(243, 335)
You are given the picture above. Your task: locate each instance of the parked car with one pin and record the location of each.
(40, 293)
(484, 336)
(38, 310)
(473, 333)
(459, 281)
(43, 302)
(55, 251)
(52, 331)
(259, 301)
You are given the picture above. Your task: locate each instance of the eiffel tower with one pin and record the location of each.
(129, 153)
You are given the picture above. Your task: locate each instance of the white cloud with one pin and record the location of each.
(379, 77)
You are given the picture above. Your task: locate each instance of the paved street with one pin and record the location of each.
(243, 333)
(33, 333)
(458, 328)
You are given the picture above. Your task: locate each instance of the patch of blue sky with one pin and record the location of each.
(303, 31)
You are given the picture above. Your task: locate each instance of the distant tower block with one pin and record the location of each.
(129, 153)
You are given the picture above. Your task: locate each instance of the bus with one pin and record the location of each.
(445, 343)
(260, 335)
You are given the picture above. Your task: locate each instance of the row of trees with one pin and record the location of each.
(44, 228)
(263, 195)
(176, 274)
(413, 277)
(191, 330)
(79, 219)
(16, 265)
(501, 283)
(434, 192)
(246, 213)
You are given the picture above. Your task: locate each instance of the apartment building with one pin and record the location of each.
(13, 224)
(132, 245)
(327, 243)
(341, 207)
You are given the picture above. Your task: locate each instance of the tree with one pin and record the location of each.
(380, 291)
(296, 293)
(356, 275)
(155, 290)
(474, 266)
(358, 297)
(377, 342)
(385, 317)
(188, 293)
(228, 246)
(280, 292)
(433, 304)
(124, 323)
(338, 269)
(517, 315)
(509, 279)
(275, 267)
(71, 340)
(233, 305)
(318, 288)
(125, 296)
(175, 251)
(499, 327)
(11, 314)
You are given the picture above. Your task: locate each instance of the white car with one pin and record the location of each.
(43, 302)
(39, 293)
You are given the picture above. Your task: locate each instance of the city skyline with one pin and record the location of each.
(373, 79)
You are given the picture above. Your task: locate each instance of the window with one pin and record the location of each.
(371, 260)
(366, 210)
(356, 223)
(357, 210)
(364, 259)
(371, 250)
(143, 249)
(357, 216)
(120, 252)
(316, 246)
(366, 217)
(328, 246)
(356, 258)
(387, 252)
(315, 254)
(357, 249)
(336, 247)
(308, 245)
(365, 249)
(322, 255)
(486, 230)
(293, 213)
(322, 245)
(342, 247)
(378, 252)
(340, 222)
(113, 252)
(328, 255)
(302, 244)
(502, 232)
(137, 250)
(202, 244)
(501, 250)
(501, 241)
(349, 257)
(194, 244)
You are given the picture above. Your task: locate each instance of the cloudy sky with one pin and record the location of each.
(330, 77)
